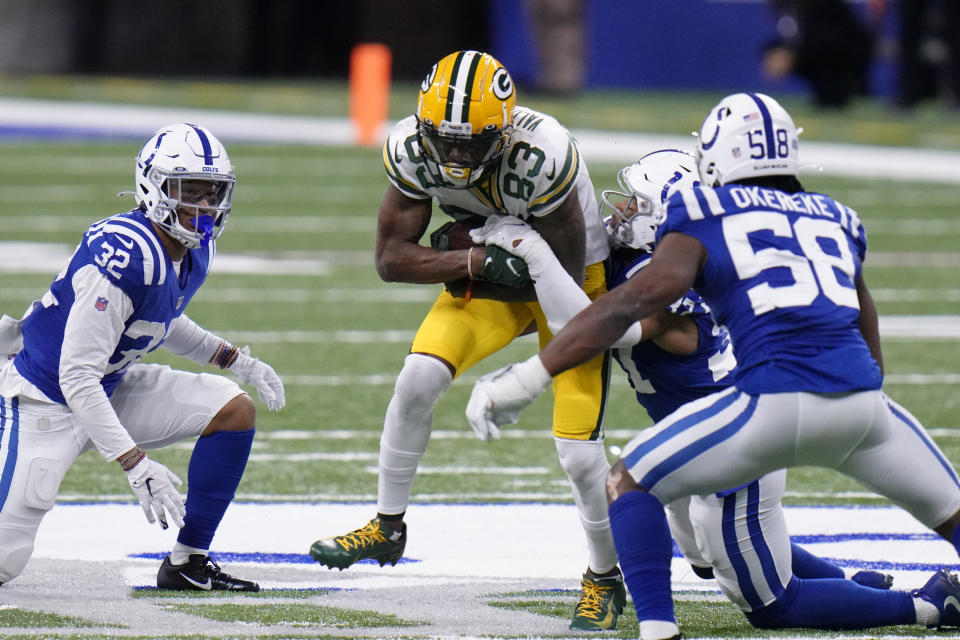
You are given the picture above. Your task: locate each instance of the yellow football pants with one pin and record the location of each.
(464, 333)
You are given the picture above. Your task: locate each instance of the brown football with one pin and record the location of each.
(457, 233)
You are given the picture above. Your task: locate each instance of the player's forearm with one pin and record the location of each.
(588, 334)
(188, 339)
(416, 264)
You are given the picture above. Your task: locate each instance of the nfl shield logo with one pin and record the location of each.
(101, 304)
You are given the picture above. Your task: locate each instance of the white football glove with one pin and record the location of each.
(515, 236)
(250, 370)
(152, 483)
(500, 396)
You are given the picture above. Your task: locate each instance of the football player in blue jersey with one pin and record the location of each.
(682, 356)
(75, 382)
(471, 149)
(781, 269)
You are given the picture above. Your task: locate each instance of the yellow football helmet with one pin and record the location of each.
(464, 117)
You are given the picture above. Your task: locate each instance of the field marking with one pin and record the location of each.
(860, 534)
(510, 433)
(384, 379)
(416, 294)
(367, 224)
(395, 294)
(26, 117)
(891, 326)
(49, 257)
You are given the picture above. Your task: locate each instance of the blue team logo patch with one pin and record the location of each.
(101, 304)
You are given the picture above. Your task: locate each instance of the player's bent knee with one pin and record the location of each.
(15, 550)
(239, 414)
(619, 481)
(775, 615)
(583, 460)
(421, 382)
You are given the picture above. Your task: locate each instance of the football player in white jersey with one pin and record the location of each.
(75, 382)
(476, 153)
(782, 270)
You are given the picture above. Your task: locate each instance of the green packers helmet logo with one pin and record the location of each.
(502, 84)
(425, 85)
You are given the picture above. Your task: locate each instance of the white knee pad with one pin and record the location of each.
(16, 547)
(585, 463)
(406, 428)
(420, 383)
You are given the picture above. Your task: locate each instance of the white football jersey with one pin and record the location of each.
(538, 169)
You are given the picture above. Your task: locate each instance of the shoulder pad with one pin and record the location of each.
(402, 158)
(126, 250)
(540, 167)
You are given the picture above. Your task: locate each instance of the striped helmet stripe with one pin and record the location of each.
(461, 85)
(767, 125)
(205, 142)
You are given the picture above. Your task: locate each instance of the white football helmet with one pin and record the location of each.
(185, 166)
(745, 136)
(637, 211)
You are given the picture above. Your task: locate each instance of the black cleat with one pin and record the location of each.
(200, 573)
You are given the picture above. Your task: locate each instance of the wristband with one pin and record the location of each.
(470, 262)
(225, 355)
(130, 460)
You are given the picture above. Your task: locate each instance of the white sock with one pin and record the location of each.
(927, 614)
(658, 629)
(406, 428)
(586, 465)
(181, 553)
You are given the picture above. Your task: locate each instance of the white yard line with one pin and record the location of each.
(50, 118)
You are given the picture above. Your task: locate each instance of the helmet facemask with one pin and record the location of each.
(207, 198)
(633, 219)
(456, 158)
(637, 210)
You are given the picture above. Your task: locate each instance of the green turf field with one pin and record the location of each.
(338, 335)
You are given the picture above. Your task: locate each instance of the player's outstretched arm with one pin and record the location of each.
(499, 397)
(560, 297)
(671, 273)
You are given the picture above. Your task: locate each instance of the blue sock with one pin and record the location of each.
(645, 550)
(955, 538)
(830, 603)
(806, 565)
(216, 468)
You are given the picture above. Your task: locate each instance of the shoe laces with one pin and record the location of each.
(362, 537)
(592, 599)
(207, 567)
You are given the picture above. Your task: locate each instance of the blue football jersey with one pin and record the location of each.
(663, 381)
(126, 249)
(780, 276)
